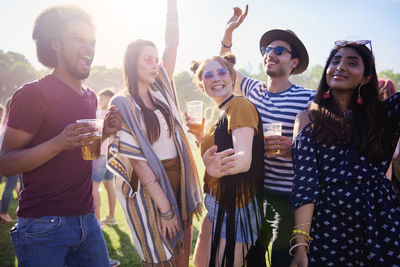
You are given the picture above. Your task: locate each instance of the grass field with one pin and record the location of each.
(117, 237)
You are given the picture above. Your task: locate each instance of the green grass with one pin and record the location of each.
(119, 242)
(7, 256)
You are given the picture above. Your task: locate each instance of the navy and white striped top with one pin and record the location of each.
(278, 107)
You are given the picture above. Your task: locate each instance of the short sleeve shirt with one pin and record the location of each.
(62, 186)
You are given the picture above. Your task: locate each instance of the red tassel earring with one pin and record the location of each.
(360, 101)
(327, 94)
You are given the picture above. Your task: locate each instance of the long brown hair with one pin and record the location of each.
(367, 126)
(131, 80)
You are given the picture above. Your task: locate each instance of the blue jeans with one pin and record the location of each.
(100, 172)
(11, 182)
(59, 241)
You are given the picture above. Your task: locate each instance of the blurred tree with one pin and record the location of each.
(389, 74)
(102, 77)
(309, 78)
(15, 70)
(188, 91)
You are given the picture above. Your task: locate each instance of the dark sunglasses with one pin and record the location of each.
(341, 43)
(278, 50)
(209, 75)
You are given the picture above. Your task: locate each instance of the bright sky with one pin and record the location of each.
(318, 23)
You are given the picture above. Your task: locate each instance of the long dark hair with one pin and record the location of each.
(366, 125)
(131, 80)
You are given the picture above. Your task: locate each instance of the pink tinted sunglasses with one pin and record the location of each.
(149, 60)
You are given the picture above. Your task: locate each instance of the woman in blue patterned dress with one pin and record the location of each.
(341, 196)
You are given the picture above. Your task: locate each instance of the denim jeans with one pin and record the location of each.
(59, 241)
(11, 182)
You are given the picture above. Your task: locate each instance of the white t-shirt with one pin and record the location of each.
(164, 147)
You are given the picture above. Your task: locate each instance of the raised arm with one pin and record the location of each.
(171, 38)
(226, 42)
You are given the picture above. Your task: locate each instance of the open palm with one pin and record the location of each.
(237, 18)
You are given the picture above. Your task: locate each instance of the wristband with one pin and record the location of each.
(225, 46)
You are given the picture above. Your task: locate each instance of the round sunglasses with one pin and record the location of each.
(209, 75)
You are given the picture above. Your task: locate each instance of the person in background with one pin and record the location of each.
(56, 222)
(11, 182)
(232, 152)
(386, 90)
(156, 178)
(100, 171)
(277, 100)
(1, 113)
(347, 213)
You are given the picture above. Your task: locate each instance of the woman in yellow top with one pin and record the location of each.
(232, 152)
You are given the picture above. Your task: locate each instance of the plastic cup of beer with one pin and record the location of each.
(271, 129)
(92, 151)
(194, 110)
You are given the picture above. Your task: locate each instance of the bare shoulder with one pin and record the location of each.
(302, 119)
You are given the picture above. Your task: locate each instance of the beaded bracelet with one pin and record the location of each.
(296, 231)
(298, 245)
(225, 46)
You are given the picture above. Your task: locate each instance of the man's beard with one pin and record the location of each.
(73, 70)
(277, 73)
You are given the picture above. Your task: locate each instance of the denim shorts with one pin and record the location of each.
(100, 171)
(59, 241)
(212, 212)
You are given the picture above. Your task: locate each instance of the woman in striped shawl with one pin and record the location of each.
(157, 183)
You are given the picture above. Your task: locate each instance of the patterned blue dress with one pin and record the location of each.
(356, 220)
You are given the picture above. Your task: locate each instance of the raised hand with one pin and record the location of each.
(236, 19)
(219, 164)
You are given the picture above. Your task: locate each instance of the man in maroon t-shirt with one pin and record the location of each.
(56, 224)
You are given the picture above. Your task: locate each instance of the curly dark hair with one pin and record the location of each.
(50, 25)
(367, 125)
